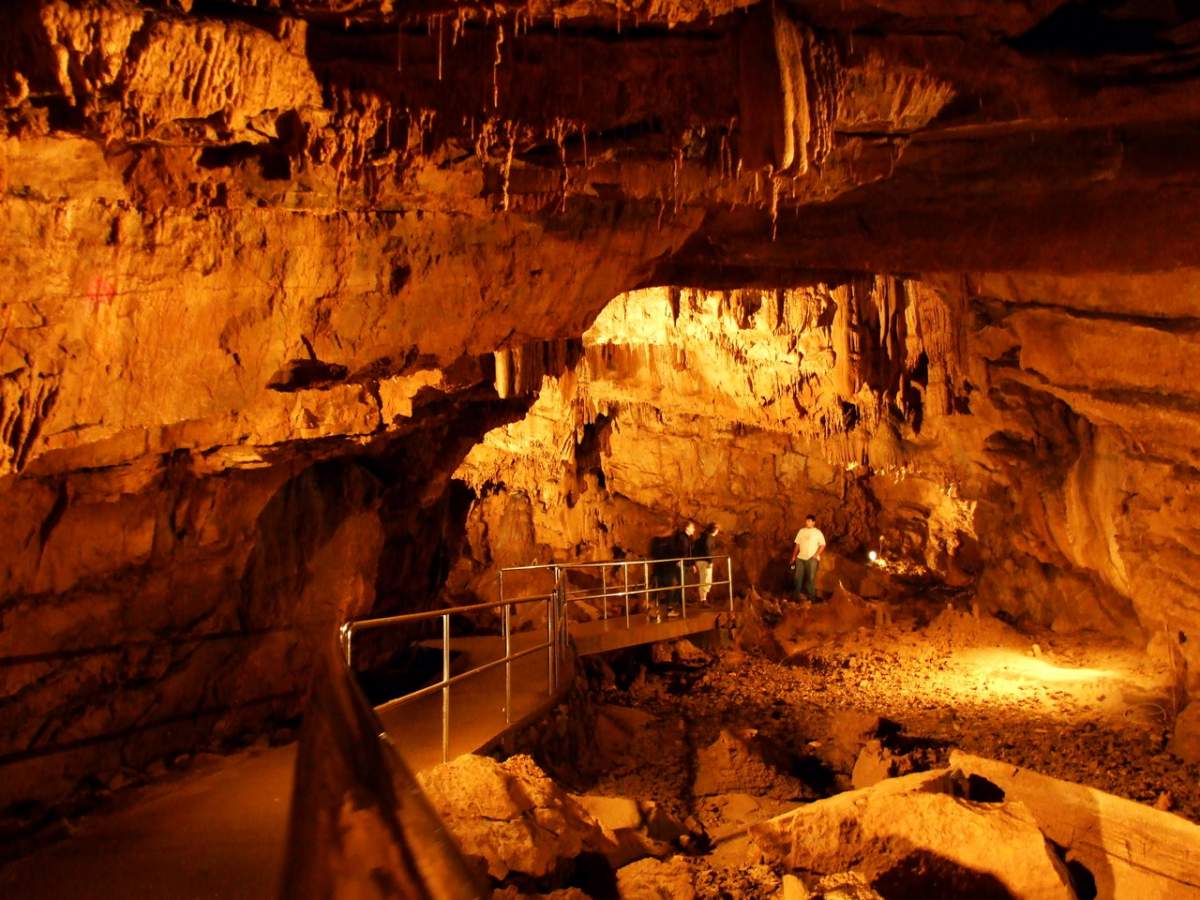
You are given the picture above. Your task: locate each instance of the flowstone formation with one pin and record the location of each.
(273, 268)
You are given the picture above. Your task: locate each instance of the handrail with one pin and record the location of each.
(359, 823)
(556, 601)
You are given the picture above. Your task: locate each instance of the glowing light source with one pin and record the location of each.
(872, 556)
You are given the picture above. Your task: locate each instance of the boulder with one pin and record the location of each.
(1185, 739)
(613, 813)
(511, 816)
(745, 762)
(654, 879)
(681, 652)
(908, 836)
(875, 763)
(849, 732)
(513, 893)
(793, 888)
(660, 824)
(615, 729)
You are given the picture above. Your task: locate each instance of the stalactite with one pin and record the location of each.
(441, 20)
(496, 65)
(558, 134)
(510, 134)
(773, 187)
(676, 170)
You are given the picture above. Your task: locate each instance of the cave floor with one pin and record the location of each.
(735, 738)
(1077, 707)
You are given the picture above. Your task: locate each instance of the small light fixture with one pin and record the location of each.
(872, 556)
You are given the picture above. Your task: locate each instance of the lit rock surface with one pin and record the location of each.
(654, 879)
(518, 821)
(510, 814)
(904, 832)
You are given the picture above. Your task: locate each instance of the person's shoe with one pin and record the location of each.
(672, 614)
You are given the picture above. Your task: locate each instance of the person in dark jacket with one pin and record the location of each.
(676, 546)
(706, 546)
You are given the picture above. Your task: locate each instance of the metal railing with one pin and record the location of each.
(656, 578)
(357, 812)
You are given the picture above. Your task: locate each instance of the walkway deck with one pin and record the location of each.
(217, 832)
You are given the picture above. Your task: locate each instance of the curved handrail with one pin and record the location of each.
(359, 825)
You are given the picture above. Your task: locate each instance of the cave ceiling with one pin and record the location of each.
(255, 230)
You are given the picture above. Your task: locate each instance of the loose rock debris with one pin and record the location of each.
(741, 754)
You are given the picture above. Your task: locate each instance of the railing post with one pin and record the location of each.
(604, 591)
(505, 611)
(682, 591)
(625, 569)
(550, 645)
(729, 578)
(445, 687)
(560, 613)
(646, 583)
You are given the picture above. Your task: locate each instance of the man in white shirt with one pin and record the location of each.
(806, 557)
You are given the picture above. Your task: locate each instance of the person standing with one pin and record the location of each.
(706, 546)
(806, 557)
(681, 550)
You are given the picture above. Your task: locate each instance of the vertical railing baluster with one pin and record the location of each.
(625, 570)
(445, 687)
(505, 612)
(604, 592)
(550, 645)
(682, 591)
(729, 578)
(646, 584)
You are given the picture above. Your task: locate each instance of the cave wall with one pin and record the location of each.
(921, 419)
(152, 613)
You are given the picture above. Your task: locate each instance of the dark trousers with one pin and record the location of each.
(665, 577)
(806, 578)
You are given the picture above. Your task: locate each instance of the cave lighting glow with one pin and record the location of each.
(1018, 665)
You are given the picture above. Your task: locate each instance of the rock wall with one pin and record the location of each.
(919, 419)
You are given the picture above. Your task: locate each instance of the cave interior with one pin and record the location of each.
(331, 310)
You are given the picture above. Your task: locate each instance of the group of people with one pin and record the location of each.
(692, 552)
(697, 552)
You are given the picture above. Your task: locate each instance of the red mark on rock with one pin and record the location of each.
(101, 291)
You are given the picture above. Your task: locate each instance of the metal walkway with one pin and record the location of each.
(622, 603)
(221, 830)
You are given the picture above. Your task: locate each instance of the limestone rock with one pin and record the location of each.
(653, 879)
(745, 762)
(874, 764)
(849, 732)
(793, 888)
(905, 835)
(1185, 738)
(613, 813)
(680, 652)
(510, 815)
